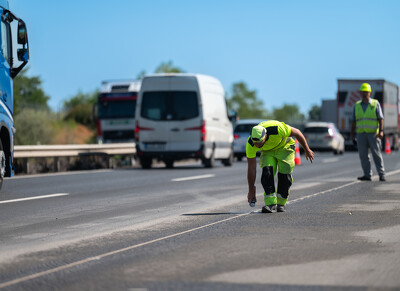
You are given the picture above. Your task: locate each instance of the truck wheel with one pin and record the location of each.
(169, 164)
(146, 163)
(2, 164)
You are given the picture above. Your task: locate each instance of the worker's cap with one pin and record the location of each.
(365, 87)
(258, 133)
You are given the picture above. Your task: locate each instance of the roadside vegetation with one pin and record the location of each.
(36, 123)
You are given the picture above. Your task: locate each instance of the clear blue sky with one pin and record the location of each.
(289, 51)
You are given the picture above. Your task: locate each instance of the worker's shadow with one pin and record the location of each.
(215, 213)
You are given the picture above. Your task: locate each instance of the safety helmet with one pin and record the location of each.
(365, 87)
(258, 133)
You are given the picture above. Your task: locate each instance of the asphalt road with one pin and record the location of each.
(190, 228)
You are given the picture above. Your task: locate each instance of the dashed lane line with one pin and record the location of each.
(34, 198)
(193, 178)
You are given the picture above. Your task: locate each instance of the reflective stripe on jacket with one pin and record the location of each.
(366, 122)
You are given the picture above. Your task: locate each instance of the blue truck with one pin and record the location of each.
(14, 56)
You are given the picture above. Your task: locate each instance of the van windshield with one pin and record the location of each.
(170, 105)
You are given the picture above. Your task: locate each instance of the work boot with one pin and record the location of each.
(382, 178)
(269, 208)
(281, 208)
(364, 178)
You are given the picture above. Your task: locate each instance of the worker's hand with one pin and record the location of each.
(252, 194)
(380, 135)
(309, 155)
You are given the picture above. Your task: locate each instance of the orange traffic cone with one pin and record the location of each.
(387, 147)
(297, 159)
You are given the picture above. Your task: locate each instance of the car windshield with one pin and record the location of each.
(170, 105)
(316, 129)
(244, 128)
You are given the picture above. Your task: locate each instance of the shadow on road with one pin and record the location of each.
(214, 213)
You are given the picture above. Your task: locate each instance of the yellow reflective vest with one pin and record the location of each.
(367, 122)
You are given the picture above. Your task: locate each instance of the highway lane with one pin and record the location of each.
(112, 210)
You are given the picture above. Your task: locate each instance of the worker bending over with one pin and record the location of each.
(274, 140)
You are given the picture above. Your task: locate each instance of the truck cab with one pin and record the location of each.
(14, 56)
(116, 105)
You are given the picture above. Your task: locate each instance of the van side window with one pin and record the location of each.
(170, 105)
(6, 41)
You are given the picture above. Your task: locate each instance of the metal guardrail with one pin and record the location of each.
(82, 152)
(43, 151)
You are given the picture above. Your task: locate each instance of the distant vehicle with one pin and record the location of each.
(182, 116)
(240, 134)
(116, 106)
(324, 136)
(14, 56)
(385, 92)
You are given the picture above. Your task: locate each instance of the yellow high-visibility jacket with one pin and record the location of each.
(366, 122)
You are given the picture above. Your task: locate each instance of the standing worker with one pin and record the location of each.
(274, 140)
(368, 124)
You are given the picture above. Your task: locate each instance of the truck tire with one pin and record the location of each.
(169, 163)
(2, 164)
(146, 163)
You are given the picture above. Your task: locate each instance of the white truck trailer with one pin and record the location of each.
(385, 92)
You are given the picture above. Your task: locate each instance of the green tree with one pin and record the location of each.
(79, 108)
(315, 113)
(34, 127)
(141, 75)
(288, 113)
(245, 102)
(168, 67)
(28, 92)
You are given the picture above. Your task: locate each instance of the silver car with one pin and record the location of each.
(241, 133)
(324, 136)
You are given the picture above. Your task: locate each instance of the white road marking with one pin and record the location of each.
(34, 198)
(322, 192)
(330, 160)
(193, 178)
(393, 172)
(118, 251)
(299, 186)
(59, 174)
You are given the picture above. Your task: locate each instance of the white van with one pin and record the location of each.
(182, 116)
